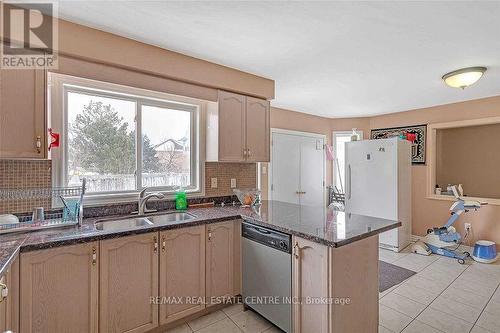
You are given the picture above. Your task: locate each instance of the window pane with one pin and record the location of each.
(101, 139)
(166, 149)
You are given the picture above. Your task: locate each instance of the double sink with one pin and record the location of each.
(128, 223)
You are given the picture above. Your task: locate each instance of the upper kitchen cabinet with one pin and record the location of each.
(238, 129)
(232, 136)
(257, 130)
(22, 113)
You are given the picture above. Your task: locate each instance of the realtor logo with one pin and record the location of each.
(29, 33)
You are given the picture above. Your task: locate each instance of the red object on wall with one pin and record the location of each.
(411, 137)
(54, 139)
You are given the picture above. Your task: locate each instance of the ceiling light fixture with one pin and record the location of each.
(464, 77)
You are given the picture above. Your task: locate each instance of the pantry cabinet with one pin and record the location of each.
(182, 272)
(59, 289)
(128, 279)
(242, 127)
(22, 113)
(310, 279)
(220, 262)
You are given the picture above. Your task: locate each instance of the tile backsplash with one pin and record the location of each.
(244, 173)
(22, 174)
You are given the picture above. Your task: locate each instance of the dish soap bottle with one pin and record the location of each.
(180, 199)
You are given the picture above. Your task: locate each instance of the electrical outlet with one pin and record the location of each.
(213, 182)
(233, 182)
(468, 227)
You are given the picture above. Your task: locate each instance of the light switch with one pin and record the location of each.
(233, 182)
(264, 170)
(213, 182)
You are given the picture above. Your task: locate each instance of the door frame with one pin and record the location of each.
(334, 144)
(296, 133)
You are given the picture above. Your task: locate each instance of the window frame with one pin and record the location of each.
(336, 134)
(59, 85)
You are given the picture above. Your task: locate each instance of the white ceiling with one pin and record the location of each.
(335, 59)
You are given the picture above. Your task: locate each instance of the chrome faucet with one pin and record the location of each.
(143, 200)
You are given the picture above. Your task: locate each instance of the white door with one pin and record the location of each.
(285, 168)
(312, 163)
(297, 168)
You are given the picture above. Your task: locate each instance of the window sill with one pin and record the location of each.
(489, 201)
(92, 200)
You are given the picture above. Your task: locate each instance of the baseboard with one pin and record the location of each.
(415, 238)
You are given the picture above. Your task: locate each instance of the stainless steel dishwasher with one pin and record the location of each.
(267, 274)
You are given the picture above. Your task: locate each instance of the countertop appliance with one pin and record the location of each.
(267, 274)
(378, 184)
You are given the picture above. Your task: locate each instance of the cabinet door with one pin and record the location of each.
(59, 289)
(128, 279)
(22, 113)
(3, 305)
(12, 301)
(310, 279)
(182, 272)
(220, 261)
(231, 127)
(257, 129)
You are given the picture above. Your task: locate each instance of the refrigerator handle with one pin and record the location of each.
(348, 185)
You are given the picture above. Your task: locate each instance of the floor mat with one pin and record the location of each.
(390, 275)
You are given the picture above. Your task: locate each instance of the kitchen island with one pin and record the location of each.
(335, 264)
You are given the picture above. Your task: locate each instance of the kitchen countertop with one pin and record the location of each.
(318, 224)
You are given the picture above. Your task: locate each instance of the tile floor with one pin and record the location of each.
(443, 297)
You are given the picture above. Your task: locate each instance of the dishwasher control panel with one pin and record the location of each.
(275, 239)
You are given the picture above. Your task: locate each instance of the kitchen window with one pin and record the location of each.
(122, 139)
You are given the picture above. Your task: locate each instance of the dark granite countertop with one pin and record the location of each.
(318, 224)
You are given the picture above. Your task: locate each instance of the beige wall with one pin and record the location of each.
(426, 213)
(470, 156)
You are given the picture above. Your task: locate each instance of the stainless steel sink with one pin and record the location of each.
(124, 224)
(171, 217)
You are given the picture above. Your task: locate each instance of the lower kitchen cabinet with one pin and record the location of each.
(9, 299)
(128, 278)
(59, 289)
(182, 272)
(220, 261)
(310, 280)
(342, 281)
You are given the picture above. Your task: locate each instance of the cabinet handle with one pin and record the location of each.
(296, 250)
(209, 235)
(94, 256)
(4, 291)
(156, 244)
(38, 144)
(163, 243)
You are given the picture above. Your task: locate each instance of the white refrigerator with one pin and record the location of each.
(378, 183)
